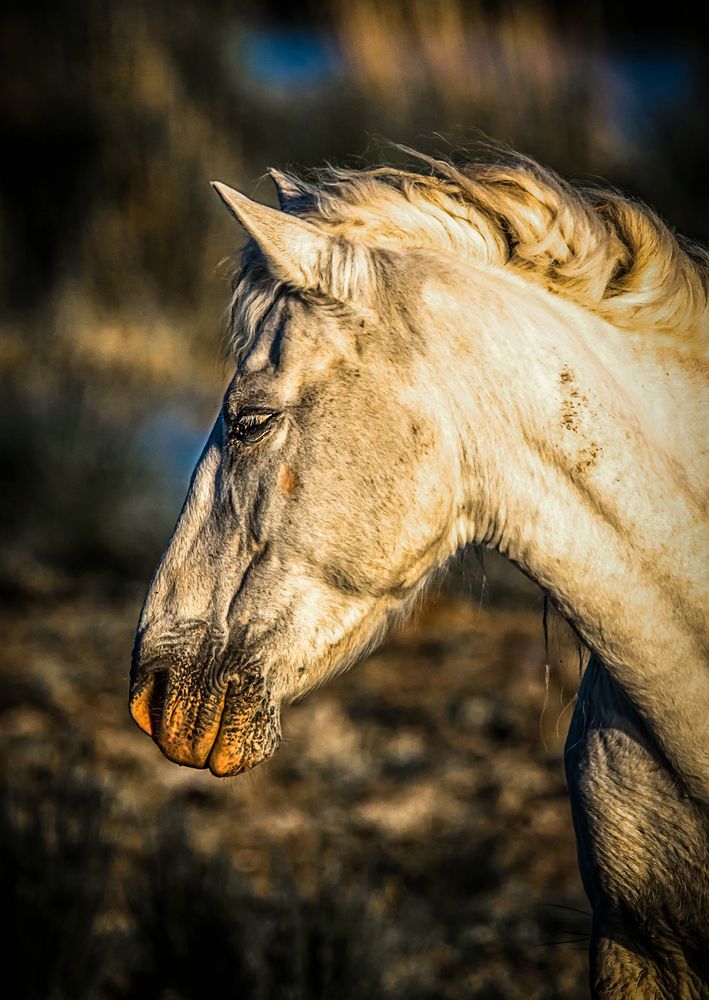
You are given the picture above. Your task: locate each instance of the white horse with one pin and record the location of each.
(425, 360)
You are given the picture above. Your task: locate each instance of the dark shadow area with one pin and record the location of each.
(95, 915)
(54, 869)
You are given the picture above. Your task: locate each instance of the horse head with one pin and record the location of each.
(324, 499)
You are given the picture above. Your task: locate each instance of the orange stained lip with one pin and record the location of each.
(140, 712)
(140, 706)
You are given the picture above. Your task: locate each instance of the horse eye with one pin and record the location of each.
(251, 427)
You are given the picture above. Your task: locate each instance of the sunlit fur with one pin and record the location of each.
(595, 247)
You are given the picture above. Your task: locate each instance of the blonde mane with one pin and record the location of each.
(610, 255)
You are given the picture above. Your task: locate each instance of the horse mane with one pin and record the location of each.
(608, 253)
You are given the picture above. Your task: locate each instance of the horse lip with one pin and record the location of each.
(139, 709)
(190, 742)
(229, 758)
(222, 766)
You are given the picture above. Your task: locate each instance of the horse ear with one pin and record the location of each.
(299, 252)
(290, 193)
(296, 250)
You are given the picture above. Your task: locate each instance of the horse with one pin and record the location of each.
(443, 355)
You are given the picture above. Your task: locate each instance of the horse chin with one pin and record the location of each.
(228, 728)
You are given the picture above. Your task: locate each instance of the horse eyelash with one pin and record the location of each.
(253, 419)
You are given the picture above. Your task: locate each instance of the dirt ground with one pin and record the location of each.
(430, 776)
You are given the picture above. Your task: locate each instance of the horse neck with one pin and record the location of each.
(569, 474)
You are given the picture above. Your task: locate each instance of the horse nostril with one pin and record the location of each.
(147, 700)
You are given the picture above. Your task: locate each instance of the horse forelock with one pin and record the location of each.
(254, 293)
(598, 248)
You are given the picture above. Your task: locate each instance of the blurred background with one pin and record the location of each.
(412, 836)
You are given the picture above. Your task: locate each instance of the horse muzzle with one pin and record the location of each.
(205, 710)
